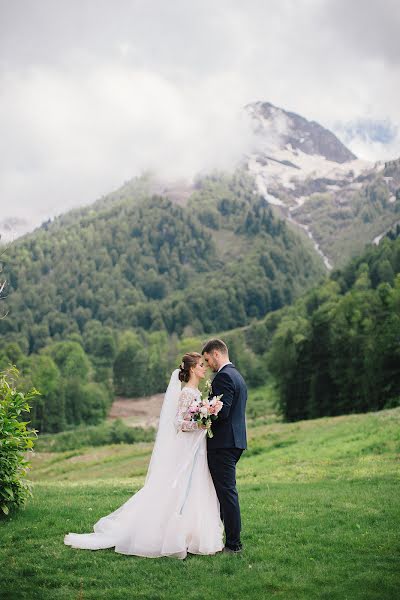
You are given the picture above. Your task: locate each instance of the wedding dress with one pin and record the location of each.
(177, 510)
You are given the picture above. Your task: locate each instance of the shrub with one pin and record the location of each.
(15, 440)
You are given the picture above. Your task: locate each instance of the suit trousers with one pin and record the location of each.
(222, 465)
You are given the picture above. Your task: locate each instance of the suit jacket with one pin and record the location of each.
(230, 428)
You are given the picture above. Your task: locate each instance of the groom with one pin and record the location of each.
(229, 441)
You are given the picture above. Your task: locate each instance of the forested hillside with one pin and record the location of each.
(343, 221)
(99, 299)
(104, 302)
(147, 263)
(337, 349)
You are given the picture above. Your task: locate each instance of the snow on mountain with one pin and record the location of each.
(290, 151)
(296, 132)
(312, 178)
(298, 164)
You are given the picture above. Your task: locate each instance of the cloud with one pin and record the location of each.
(367, 30)
(370, 138)
(93, 93)
(75, 136)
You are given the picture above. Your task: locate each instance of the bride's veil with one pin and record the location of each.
(162, 458)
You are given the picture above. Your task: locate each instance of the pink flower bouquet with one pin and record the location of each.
(204, 411)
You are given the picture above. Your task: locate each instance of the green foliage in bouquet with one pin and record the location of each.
(15, 441)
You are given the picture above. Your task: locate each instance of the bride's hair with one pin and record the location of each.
(189, 360)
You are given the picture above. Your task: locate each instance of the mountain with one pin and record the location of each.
(335, 350)
(305, 173)
(293, 133)
(139, 279)
(318, 185)
(139, 261)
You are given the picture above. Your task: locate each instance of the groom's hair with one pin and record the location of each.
(215, 344)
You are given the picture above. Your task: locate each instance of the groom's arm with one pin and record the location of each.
(223, 384)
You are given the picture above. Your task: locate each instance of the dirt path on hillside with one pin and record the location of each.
(137, 412)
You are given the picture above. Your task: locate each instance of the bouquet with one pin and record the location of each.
(204, 411)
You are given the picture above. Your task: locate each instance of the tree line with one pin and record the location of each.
(337, 349)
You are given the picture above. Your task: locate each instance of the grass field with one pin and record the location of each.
(320, 511)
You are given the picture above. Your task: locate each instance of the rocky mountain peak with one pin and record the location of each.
(293, 131)
(316, 182)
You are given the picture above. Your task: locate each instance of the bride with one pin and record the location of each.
(177, 510)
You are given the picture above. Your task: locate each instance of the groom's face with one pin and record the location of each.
(212, 360)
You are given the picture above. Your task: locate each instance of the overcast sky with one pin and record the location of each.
(93, 91)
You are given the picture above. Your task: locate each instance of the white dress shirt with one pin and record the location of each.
(228, 362)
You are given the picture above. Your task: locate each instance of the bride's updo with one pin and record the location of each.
(189, 360)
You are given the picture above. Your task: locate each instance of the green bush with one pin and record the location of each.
(15, 440)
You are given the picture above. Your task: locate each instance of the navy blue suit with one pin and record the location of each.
(226, 446)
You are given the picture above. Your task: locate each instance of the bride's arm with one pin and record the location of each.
(182, 422)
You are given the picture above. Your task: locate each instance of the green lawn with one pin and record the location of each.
(320, 511)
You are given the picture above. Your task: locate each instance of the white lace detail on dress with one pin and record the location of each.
(182, 421)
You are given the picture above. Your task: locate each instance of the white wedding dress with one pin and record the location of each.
(177, 509)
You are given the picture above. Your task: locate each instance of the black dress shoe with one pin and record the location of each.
(236, 550)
